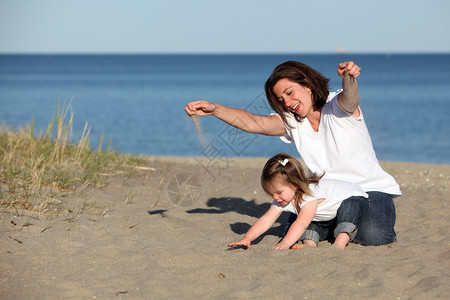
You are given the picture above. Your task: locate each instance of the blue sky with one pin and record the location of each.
(233, 26)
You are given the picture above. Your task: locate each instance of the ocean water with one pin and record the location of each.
(137, 101)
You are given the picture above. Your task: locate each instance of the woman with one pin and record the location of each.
(329, 132)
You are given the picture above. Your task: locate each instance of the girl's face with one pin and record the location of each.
(295, 97)
(281, 191)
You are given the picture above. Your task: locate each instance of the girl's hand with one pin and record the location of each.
(200, 107)
(350, 67)
(281, 246)
(242, 242)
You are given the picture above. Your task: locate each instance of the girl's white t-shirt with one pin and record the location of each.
(342, 147)
(332, 191)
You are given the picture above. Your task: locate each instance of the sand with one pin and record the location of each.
(163, 234)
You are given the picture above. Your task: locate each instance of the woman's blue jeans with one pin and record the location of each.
(368, 221)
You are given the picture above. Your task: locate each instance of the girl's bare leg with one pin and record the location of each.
(342, 240)
(309, 243)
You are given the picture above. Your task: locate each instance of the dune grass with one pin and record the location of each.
(36, 171)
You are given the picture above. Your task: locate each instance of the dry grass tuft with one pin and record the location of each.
(35, 172)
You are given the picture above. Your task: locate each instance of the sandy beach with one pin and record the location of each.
(162, 233)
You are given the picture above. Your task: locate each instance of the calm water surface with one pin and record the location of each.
(137, 101)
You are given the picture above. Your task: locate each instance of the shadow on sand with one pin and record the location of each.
(243, 207)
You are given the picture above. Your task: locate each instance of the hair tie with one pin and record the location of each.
(284, 162)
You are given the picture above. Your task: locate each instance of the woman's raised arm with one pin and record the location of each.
(349, 98)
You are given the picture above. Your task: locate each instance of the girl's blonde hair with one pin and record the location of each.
(291, 171)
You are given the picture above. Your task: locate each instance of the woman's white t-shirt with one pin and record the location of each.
(342, 148)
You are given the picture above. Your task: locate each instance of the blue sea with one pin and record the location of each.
(137, 101)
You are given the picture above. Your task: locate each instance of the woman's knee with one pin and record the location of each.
(375, 236)
(376, 227)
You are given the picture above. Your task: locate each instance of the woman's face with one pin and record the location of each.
(295, 97)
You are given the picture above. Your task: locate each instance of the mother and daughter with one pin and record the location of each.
(346, 190)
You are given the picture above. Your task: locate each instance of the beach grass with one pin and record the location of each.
(36, 170)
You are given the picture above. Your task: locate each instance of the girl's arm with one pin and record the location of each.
(349, 98)
(261, 225)
(239, 118)
(297, 228)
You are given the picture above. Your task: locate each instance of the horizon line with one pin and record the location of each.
(231, 53)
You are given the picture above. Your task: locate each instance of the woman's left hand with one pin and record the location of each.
(350, 67)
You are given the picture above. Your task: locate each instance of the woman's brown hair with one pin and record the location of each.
(302, 74)
(292, 172)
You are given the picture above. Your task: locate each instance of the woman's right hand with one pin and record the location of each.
(200, 108)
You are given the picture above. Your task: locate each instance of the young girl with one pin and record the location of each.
(320, 204)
